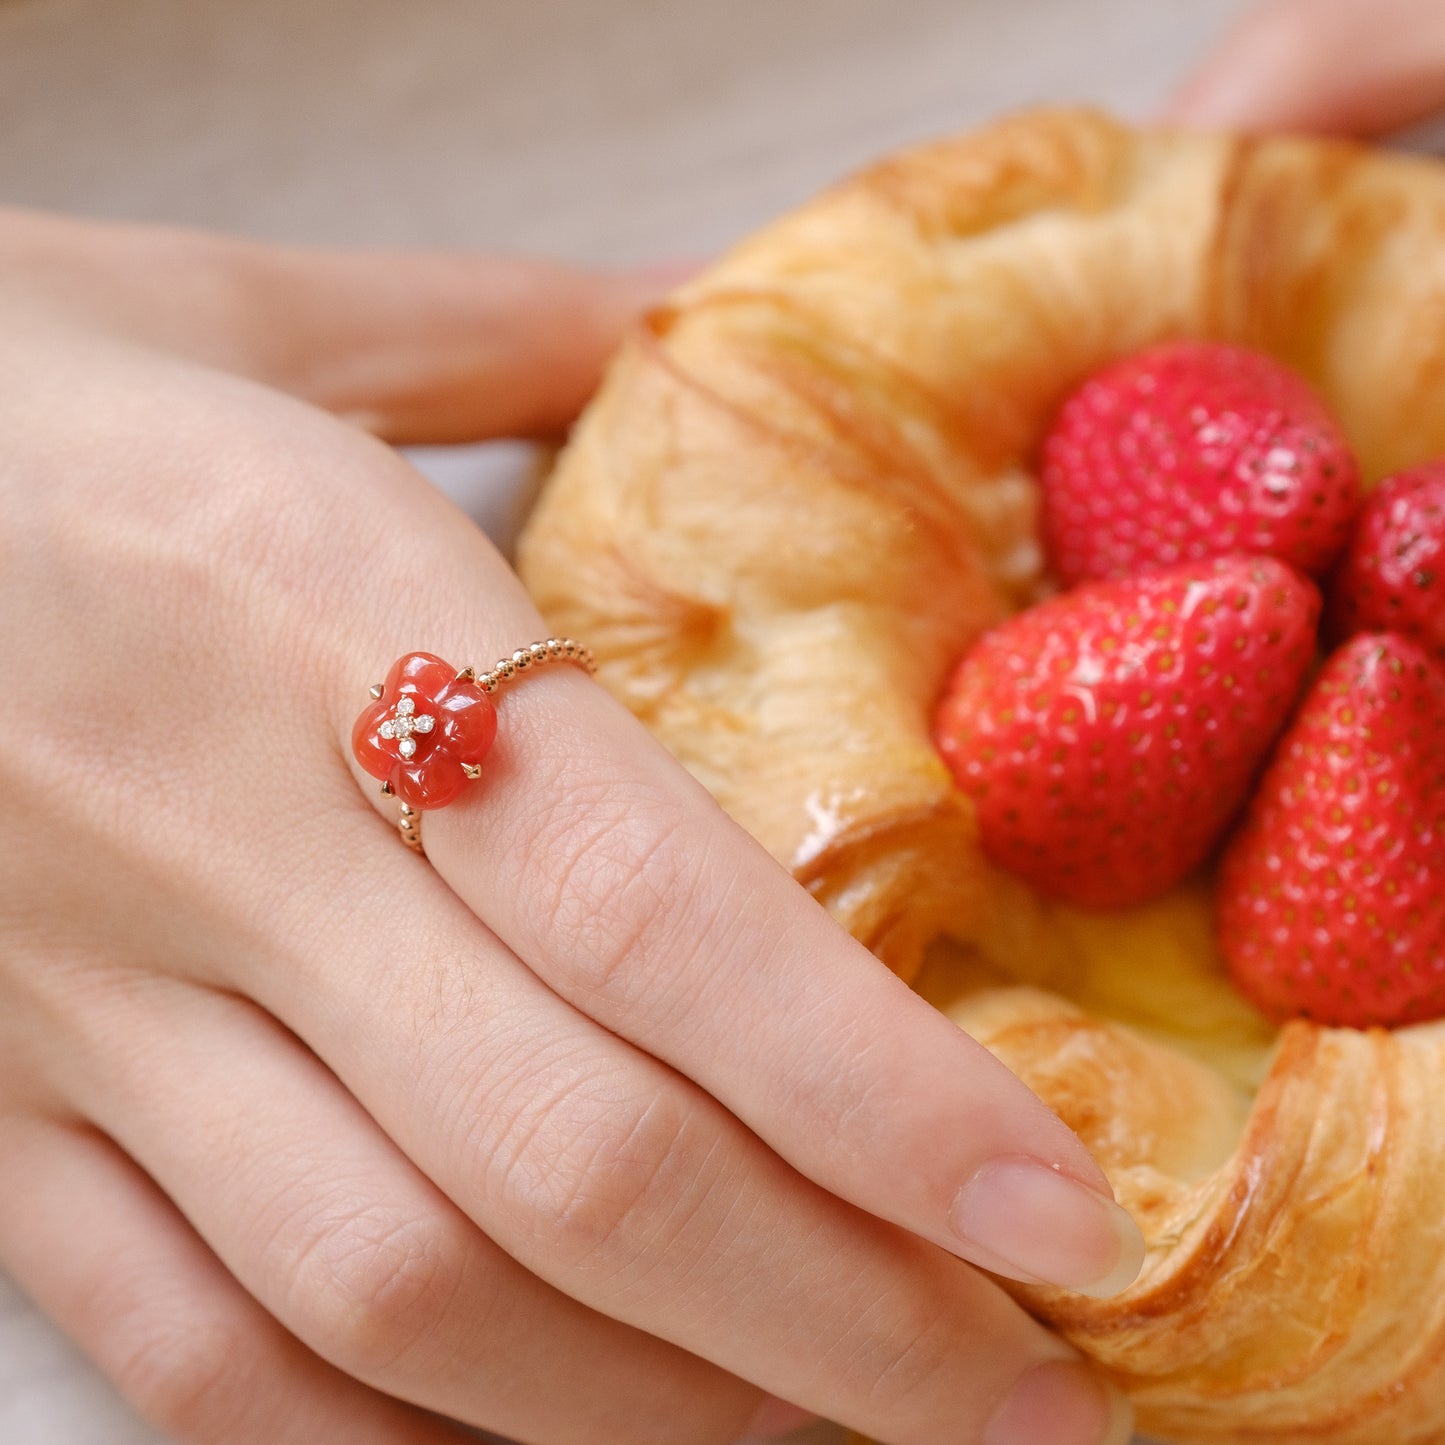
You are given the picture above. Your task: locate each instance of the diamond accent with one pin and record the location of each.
(406, 721)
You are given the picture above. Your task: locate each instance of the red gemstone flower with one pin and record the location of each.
(426, 730)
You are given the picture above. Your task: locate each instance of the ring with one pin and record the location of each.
(430, 725)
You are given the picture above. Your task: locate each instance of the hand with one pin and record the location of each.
(591, 1127)
(1346, 67)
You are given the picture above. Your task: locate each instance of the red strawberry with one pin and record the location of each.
(1331, 897)
(1392, 575)
(1192, 450)
(1108, 735)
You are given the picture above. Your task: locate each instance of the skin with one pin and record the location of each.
(591, 1127)
(1337, 67)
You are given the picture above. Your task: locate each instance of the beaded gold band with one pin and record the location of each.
(430, 725)
(554, 649)
(408, 824)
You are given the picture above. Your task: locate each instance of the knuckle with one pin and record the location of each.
(900, 1357)
(184, 1374)
(369, 1290)
(599, 1176)
(621, 896)
(852, 1087)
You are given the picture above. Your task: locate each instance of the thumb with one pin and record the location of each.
(1342, 67)
(417, 346)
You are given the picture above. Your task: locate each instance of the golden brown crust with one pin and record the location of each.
(1329, 256)
(801, 493)
(1292, 1290)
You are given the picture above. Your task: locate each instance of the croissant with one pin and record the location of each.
(805, 488)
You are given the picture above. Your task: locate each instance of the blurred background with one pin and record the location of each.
(607, 131)
(600, 130)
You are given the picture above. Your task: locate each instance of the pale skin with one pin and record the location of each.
(590, 1128)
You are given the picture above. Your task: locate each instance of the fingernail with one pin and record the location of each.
(775, 1418)
(670, 273)
(643, 288)
(1049, 1227)
(1214, 102)
(1064, 1403)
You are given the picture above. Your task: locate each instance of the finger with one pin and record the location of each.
(624, 1185)
(337, 1235)
(92, 1241)
(609, 871)
(1334, 66)
(600, 863)
(416, 346)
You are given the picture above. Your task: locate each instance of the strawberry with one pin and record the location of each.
(1392, 575)
(1331, 898)
(1192, 450)
(1108, 735)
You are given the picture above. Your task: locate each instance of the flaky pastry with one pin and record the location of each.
(805, 488)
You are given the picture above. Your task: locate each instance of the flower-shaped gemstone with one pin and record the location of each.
(425, 732)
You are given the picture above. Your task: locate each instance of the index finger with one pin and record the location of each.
(621, 883)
